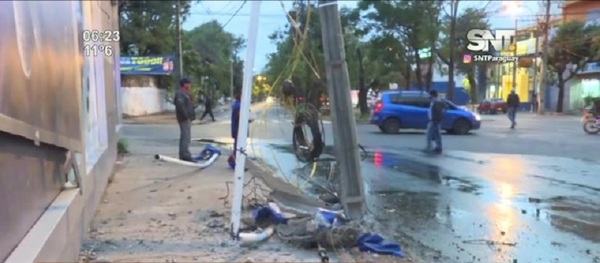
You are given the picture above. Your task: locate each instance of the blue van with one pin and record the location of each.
(409, 110)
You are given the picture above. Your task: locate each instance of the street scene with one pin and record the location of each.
(300, 131)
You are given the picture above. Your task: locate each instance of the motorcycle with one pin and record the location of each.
(591, 122)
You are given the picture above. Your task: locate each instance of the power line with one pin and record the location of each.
(234, 14)
(239, 14)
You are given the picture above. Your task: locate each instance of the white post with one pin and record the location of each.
(242, 136)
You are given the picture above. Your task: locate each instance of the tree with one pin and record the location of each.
(455, 47)
(569, 50)
(299, 56)
(150, 25)
(411, 22)
(213, 50)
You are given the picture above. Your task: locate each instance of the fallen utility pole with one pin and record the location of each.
(344, 124)
(242, 136)
(544, 65)
(179, 51)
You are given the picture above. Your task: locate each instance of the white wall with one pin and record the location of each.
(139, 101)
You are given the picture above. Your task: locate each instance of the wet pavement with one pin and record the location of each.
(463, 206)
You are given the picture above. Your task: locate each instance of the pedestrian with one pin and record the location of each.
(208, 109)
(185, 113)
(235, 121)
(437, 108)
(512, 104)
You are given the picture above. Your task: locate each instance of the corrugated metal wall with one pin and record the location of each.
(41, 105)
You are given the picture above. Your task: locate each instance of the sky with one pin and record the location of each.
(273, 18)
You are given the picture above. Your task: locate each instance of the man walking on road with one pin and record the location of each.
(208, 109)
(512, 104)
(437, 109)
(185, 113)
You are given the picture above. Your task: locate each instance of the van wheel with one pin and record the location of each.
(461, 127)
(391, 125)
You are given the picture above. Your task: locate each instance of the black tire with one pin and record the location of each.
(590, 127)
(461, 127)
(504, 111)
(391, 126)
(307, 151)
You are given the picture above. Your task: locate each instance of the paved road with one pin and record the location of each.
(496, 196)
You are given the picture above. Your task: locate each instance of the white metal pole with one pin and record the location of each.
(242, 136)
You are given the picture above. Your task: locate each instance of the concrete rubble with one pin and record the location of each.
(162, 212)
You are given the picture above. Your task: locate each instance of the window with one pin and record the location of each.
(416, 101)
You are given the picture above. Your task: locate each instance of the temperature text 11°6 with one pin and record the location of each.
(97, 49)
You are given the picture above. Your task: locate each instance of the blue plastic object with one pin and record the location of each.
(231, 161)
(374, 243)
(208, 152)
(266, 212)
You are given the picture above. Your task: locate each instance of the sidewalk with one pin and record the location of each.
(163, 212)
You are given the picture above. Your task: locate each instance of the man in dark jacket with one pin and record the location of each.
(185, 112)
(437, 108)
(208, 109)
(512, 104)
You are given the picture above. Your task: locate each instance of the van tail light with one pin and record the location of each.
(378, 106)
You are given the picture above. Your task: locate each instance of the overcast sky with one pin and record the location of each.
(273, 18)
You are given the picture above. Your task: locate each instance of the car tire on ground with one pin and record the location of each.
(461, 127)
(391, 125)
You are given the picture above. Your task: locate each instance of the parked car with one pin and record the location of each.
(409, 110)
(492, 106)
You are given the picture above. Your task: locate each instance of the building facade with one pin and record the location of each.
(529, 45)
(58, 124)
(587, 81)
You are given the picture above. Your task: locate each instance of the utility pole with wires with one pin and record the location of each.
(344, 124)
(179, 72)
(544, 64)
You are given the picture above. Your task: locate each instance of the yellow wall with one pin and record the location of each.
(522, 85)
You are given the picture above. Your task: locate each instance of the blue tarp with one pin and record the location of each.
(374, 243)
(267, 212)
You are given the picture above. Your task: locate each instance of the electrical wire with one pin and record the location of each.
(494, 16)
(235, 14)
(278, 165)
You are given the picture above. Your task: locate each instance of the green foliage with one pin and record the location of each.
(573, 44)
(470, 18)
(211, 51)
(207, 50)
(413, 23)
(570, 49)
(122, 146)
(149, 25)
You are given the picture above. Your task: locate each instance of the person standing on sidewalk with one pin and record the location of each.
(512, 104)
(185, 113)
(437, 108)
(208, 109)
